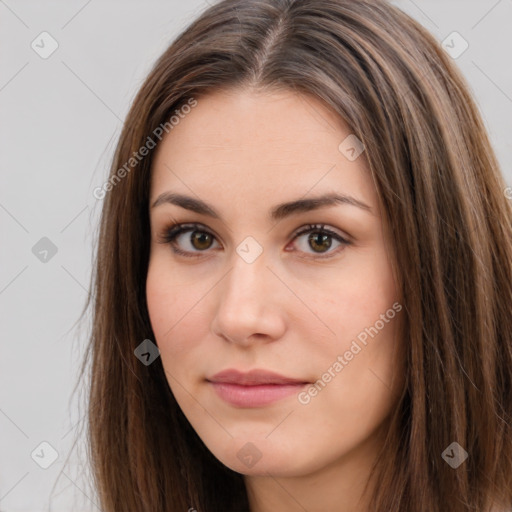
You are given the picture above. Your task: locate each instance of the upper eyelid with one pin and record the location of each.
(183, 227)
(320, 226)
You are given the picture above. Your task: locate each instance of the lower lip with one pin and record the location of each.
(254, 396)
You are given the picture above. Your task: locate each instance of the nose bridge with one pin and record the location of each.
(249, 274)
(246, 303)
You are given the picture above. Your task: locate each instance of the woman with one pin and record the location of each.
(238, 364)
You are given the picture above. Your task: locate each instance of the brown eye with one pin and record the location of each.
(201, 240)
(187, 239)
(190, 240)
(320, 242)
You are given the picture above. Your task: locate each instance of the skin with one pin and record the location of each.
(289, 311)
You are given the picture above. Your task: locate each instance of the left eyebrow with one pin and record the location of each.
(278, 212)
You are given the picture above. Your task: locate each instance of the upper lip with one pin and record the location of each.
(252, 378)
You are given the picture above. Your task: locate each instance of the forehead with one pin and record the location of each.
(260, 144)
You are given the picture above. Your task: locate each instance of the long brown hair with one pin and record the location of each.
(442, 193)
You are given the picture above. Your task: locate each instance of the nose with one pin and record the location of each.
(250, 304)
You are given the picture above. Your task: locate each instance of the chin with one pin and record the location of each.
(261, 457)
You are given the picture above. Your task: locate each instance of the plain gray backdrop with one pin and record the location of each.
(61, 116)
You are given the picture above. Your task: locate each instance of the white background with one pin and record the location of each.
(60, 120)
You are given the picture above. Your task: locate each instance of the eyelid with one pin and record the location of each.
(171, 231)
(175, 229)
(321, 226)
(343, 240)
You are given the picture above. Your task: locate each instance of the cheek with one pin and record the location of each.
(159, 298)
(176, 314)
(355, 395)
(166, 303)
(362, 308)
(355, 299)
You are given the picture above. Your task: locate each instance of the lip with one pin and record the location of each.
(255, 388)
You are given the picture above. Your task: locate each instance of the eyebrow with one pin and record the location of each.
(278, 212)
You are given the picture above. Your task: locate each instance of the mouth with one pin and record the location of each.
(256, 388)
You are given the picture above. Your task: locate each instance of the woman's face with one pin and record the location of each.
(251, 295)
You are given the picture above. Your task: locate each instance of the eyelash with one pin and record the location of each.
(171, 232)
